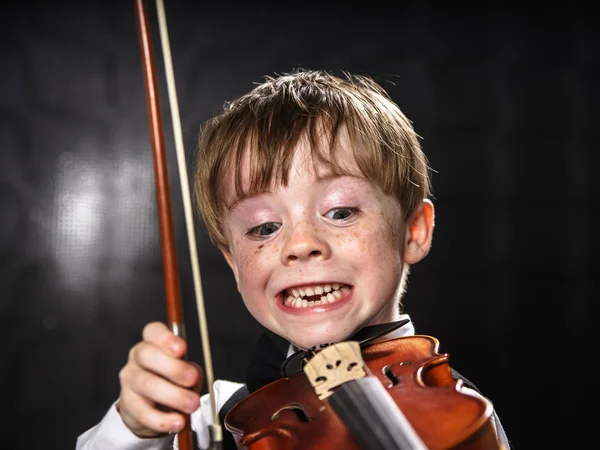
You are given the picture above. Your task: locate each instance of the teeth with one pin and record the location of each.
(329, 293)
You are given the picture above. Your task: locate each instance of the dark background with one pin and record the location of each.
(505, 98)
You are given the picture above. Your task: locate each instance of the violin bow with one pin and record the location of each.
(173, 298)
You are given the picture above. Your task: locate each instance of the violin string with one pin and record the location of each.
(187, 204)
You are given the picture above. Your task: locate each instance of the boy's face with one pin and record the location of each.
(322, 257)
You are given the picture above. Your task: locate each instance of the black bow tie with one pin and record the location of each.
(269, 362)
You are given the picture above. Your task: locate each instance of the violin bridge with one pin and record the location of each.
(334, 365)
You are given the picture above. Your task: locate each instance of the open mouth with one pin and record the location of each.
(307, 296)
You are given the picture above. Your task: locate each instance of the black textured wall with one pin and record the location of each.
(505, 98)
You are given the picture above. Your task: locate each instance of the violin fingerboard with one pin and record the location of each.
(372, 417)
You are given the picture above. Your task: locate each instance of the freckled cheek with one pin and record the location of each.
(255, 270)
(379, 243)
(258, 252)
(352, 237)
(247, 257)
(254, 263)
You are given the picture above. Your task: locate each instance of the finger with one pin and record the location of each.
(159, 335)
(160, 391)
(198, 386)
(144, 419)
(151, 358)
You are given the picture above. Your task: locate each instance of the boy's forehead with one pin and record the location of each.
(341, 158)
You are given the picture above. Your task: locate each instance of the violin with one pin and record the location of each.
(392, 394)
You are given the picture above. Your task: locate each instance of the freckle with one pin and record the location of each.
(261, 246)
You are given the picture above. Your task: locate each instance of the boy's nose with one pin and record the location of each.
(304, 243)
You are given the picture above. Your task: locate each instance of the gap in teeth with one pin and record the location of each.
(328, 293)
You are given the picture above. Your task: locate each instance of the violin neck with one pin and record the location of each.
(372, 417)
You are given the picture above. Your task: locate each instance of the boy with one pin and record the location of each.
(315, 189)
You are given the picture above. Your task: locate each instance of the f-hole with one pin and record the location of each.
(390, 375)
(299, 410)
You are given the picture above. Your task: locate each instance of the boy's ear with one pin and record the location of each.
(419, 233)
(229, 258)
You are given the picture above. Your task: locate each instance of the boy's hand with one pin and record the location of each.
(156, 384)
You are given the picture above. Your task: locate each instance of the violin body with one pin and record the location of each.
(287, 414)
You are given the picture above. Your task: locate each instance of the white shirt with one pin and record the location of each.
(112, 434)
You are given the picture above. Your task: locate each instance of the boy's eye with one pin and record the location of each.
(264, 230)
(340, 213)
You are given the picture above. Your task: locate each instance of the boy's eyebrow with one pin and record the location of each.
(327, 176)
(332, 175)
(243, 197)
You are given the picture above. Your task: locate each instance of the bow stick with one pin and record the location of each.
(174, 309)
